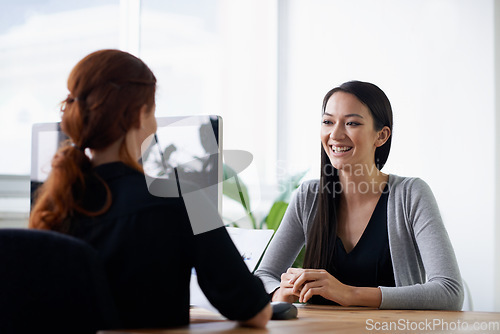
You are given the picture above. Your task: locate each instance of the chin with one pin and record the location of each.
(340, 167)
(343, 166)
(337, 164)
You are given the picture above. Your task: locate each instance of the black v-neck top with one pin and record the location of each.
(369, 263)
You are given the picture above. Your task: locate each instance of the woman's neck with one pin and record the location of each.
(362, 182)
(108, 154)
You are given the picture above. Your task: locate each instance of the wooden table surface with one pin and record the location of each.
(349, 320)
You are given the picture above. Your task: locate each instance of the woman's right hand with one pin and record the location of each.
(285, 292)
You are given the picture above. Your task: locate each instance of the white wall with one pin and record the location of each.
(497, 151)
(222, 63)
(435, 61)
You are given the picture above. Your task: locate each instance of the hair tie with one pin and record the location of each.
(71, 99)
(79, 148)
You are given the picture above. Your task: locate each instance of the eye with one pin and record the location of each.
(353, 123)
(327, 122)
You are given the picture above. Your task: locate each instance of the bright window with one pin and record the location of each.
(40, 41)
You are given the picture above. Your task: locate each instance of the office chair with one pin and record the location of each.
(52, 283)
(468, 303)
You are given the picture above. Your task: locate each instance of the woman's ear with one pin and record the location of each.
(143, 113)
(383, 136)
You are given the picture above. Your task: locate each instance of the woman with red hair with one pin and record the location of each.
(97, 192)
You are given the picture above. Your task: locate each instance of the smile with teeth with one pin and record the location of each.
(340, 149)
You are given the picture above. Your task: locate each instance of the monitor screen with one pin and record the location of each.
(189, 147)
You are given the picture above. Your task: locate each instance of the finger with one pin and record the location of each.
(286, 277)
(295, 271)
(305, 277)
(288, 292)
(285, 280)
(316, 273)
(297, 276)
(298, 288)
(311, 291)
(307, 286)
(301, 270)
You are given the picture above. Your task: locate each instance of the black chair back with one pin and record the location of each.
(52, 283)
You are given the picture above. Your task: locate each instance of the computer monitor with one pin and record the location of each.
(187, 145)
(46, 138)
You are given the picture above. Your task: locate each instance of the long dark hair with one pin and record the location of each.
(107, 90)
(323, 232)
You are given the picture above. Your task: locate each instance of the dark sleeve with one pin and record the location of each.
(225, 278)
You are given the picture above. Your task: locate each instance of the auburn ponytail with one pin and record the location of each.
(61, 194)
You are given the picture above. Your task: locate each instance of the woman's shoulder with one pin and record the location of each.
(306, 195)
(410, 189)
(308, 188)
(406, 183)
(310, 185)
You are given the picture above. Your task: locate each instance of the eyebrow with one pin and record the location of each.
(348, 115)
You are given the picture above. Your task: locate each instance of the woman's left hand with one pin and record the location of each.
(310, 282)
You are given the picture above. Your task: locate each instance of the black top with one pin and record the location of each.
(369, 263)
(149, 250)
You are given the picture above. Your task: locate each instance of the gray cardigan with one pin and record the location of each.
(418, 241)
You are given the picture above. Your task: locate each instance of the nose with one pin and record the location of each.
(337, 132)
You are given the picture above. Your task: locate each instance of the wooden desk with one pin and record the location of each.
(349, 320)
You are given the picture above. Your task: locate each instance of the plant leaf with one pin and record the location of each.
(276, 214)
(289, 185)
(234, 188)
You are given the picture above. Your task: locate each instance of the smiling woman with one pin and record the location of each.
(371, 238)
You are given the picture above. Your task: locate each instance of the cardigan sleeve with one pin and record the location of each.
(425, 267)
(288, 239)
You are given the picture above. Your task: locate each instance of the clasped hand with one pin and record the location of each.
(305, 283)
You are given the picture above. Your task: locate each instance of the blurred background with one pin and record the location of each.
(264, 66)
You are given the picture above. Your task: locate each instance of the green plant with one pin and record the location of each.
(235, 188)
